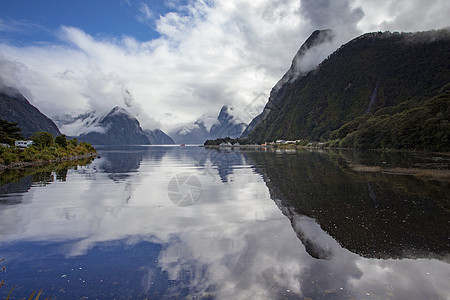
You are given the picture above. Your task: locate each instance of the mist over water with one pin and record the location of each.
(164, 222)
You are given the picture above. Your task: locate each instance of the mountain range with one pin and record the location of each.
(207, 127)
(376, 91)
(117, 127)
(380, 90)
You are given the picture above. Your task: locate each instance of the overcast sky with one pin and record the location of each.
(168, 61)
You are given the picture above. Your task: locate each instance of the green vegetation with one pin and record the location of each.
(409, 125)
(226, 140)
(42, 139)
(364, 85)
(9, 132)
(45, 148)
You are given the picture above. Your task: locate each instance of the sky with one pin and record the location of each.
(168, 62)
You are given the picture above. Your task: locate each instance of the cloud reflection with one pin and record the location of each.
(235, 242)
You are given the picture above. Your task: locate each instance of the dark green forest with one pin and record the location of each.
(379, 90)
(409, 125)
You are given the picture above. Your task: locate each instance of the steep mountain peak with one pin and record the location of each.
(117, 110)
(207, 127)
(224, 109)
(224, 114)
(118, 127)
(300, 66)
(317, 38)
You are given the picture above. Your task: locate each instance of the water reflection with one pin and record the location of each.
(266, 226)
(373, 214)
(14, 183)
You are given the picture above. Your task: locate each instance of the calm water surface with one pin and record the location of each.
(196, 223)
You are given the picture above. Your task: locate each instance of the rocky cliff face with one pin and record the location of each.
(14, 107)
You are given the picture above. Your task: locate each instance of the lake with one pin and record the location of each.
(206, 223)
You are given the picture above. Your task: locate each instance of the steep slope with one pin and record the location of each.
(409, 125)
(372, 72)
(14, 107)
(316, 39)
(119, 128)
(194, 133)
(79, 125)
(224, 125)
(158, 137)
(227, 125)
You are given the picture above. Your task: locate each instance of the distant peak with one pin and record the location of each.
(119, 110)
(224, 114)
(224, 109)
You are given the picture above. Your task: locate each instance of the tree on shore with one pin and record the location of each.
(61, 141)
(42, 139)
(9, 132)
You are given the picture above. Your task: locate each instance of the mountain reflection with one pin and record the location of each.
(373, 214)
(118, 166)
(266, 226)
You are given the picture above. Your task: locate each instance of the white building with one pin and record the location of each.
(23, 144)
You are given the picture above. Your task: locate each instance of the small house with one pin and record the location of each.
(23, 144)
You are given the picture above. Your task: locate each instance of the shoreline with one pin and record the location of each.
(293, 147)
(23, 164)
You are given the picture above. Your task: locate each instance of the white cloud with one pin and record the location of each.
(210, 53)
(145, 14)
(403, 15)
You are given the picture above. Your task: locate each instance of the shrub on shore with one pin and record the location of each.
(45, 148)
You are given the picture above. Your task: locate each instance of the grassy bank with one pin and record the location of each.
(15, 157)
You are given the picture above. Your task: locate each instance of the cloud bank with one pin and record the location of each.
(209, 54)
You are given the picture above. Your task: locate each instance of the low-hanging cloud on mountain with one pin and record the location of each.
(209, 54)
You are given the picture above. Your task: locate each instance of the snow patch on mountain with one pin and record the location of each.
(81, 124)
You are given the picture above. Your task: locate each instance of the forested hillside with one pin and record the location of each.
(371, 78)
